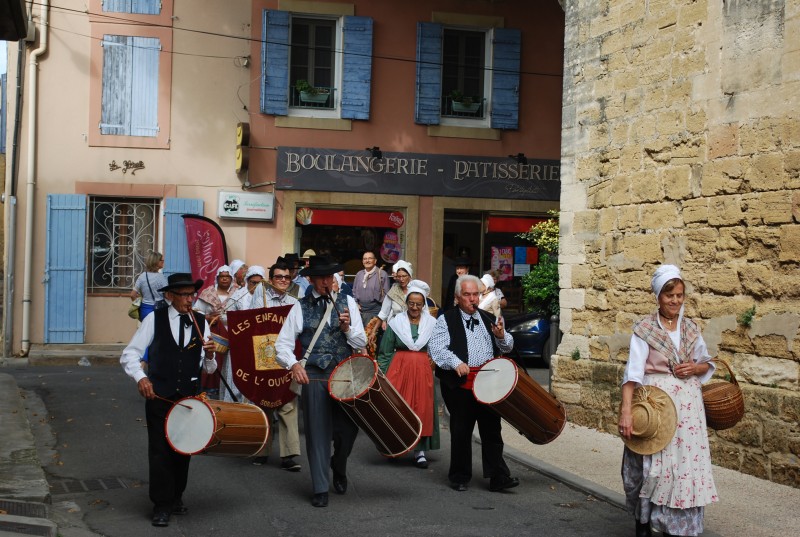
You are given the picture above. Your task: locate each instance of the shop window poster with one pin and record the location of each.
(390, 249)
(503, 262)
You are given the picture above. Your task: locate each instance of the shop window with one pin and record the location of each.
(303, 73)
(121, 232)
(467, 77)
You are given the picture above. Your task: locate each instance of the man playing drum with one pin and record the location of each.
(177, 352)
(462, 341)
(341, 331)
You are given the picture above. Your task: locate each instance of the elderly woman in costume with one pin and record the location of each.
(393, 303)
(211, 303)
(489, 300)
(667, 490)
(403, 356)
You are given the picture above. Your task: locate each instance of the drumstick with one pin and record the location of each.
(170, 401)
(329, 380)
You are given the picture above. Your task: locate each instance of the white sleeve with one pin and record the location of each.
(284, 345)
(438, 346)
(134, 352)
(356, 337)
(637, 358)
(386, 308)
(700, 355)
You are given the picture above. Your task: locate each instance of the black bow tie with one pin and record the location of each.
(185, 320)
(471, 323)
(321, 299)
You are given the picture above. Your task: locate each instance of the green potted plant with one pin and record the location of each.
(309, 93)
(463, 103)
(540, 286)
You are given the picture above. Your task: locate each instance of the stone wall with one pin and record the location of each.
(681, 144)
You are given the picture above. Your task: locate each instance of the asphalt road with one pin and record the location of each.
(89, 422)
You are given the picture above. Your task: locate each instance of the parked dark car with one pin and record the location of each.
(531, 332)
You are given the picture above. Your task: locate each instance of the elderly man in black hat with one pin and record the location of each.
(462, 265)
(299, 283)
(329, 328)
(177, 341)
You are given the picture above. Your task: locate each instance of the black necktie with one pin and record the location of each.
(183, 321)
(471, 323)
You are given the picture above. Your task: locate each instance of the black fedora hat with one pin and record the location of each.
(181, 279)
(320, 265)
(462, 261)
(291, 259)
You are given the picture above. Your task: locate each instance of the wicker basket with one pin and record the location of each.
(723, 401)
(433, 308)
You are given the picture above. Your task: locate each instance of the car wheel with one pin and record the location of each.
(545, 359)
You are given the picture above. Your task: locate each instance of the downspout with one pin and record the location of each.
(33, 81)
(10, 201)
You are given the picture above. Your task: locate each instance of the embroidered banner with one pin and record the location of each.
(256, 371)
(207, 248)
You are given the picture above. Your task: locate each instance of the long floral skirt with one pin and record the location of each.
(670, 488)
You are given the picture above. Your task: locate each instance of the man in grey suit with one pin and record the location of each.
(324, 420)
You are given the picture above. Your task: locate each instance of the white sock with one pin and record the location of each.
(418, 454)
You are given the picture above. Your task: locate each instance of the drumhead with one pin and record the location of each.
(190, 430)
(495, 381)
(352, 378)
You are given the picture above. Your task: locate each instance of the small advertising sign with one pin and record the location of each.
(247, 205)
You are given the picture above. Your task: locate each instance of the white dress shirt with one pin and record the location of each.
(133, 353)
(293, 326)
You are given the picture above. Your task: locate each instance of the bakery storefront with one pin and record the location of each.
(415, 206)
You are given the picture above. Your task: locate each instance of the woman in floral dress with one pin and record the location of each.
(667, 491)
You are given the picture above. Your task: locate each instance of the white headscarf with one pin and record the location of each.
(401, 325)
(488, 281)
(236, 264)
(405, 265)
(255, 270)
(663, 274)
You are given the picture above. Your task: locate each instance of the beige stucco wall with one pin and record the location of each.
(681, 144)
(209, 92)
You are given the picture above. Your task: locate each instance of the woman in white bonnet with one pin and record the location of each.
(667, 491)
(489, 300)
(403, 357)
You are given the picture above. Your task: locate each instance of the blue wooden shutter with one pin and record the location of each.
(176, 249)
(130, 85)
(141, 7)
(428, 104)
(275, 63)
(356, 67)
(65, 269)
(505, 78)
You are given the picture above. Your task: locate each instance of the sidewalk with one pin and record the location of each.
(590, 460)
(583, 458)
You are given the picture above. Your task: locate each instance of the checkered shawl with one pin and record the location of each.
(651, 333)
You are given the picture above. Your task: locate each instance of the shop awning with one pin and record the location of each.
(332, 217)
(512, 224)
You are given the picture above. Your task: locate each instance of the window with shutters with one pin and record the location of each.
(131, 73)
(464, 66)
(467, 77)
(316, 65)
(121, 233)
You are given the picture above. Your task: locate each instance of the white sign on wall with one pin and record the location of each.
(246, 205)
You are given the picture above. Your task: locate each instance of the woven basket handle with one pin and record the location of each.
(723, 362)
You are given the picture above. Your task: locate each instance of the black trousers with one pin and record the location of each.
(464, 412)
(169, 470)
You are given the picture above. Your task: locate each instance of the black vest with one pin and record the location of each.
(458, 343)
(170, 367)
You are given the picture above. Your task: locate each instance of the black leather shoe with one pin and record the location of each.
(340, 484)
(161, 519)
(460, 487)
(643, 530)
(320, 500)
(496, 484)
(179, 508)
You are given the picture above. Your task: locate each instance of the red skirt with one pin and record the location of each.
(410, 373)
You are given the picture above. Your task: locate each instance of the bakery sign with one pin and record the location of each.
(246, 205)
(421, 174)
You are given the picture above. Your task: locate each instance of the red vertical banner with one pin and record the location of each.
(207, 248)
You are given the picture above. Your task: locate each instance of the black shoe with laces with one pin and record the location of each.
(290, 465)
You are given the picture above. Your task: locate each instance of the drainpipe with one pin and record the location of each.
(10, 201)
(33, 81)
